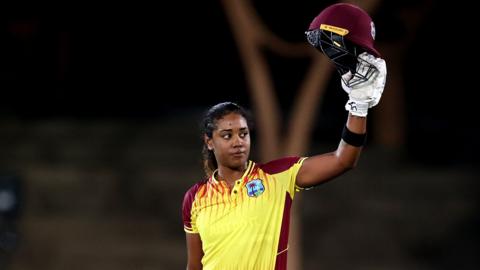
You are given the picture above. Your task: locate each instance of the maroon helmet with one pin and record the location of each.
(342, 32)
(351, 21)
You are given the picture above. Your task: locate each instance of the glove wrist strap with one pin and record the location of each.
(357, 108)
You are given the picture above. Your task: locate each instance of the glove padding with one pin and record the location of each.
(365, 95)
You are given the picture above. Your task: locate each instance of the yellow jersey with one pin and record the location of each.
(245, 227)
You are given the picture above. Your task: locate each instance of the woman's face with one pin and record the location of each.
(230, 141)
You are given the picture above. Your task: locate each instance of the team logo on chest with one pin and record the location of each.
(255, 188)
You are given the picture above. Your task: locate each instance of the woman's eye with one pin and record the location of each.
(244, 134)
(226, 136)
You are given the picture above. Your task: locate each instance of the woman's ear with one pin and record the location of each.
(208, 142)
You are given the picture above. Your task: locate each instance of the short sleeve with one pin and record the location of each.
(285, 171)
(188, 213)
(292, 183)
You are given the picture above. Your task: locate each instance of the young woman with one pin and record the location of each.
(238, 217)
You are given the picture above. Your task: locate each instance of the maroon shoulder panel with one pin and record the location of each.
(279, 165)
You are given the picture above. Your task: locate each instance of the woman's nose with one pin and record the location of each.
(238, 141)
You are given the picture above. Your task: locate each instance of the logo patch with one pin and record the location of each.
(337, 30)
(255, 188)
(353, 106)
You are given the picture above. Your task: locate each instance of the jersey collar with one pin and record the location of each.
(250, 165)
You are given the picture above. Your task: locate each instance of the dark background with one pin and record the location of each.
(138, 60)
(96, 116)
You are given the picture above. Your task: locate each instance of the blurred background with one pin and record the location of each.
(99, 131)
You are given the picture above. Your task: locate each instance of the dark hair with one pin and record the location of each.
(209, 124)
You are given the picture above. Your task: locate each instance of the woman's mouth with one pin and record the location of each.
(238, 154)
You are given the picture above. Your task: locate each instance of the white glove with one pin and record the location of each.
(367, 94)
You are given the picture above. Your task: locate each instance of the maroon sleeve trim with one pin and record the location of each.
(187, 203)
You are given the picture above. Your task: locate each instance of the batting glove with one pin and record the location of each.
(365, 88)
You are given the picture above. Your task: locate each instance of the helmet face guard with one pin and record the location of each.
(343, 53)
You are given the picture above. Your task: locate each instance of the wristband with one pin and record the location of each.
(354, 139)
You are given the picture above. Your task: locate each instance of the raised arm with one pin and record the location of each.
(322, 168)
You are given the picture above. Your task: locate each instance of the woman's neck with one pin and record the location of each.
(230, 175)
